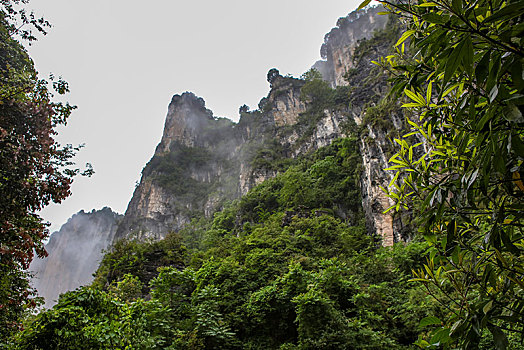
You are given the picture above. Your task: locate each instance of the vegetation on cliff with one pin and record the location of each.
(289, 265)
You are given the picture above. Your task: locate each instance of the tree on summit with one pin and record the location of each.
(272, 74)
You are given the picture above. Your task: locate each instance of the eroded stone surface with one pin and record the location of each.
(74, 253)
(227, 172)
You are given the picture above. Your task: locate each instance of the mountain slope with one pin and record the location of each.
(74, 253)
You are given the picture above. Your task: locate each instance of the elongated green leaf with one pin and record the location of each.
(453, 62)
(428, 92)
(363, 4)
(507, 13)
(451, 88)
(415, 97)
(487, 307)
(410, 105)
(457, 325)
(482, 69)
(427, 4)
(467, 58)
(434, 18)
(499, 337)
(456, 5)
(404, 36)
(493, 93)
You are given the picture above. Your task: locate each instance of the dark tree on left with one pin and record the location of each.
(34, 169)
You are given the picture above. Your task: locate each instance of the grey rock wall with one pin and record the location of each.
(203, 161)
(74, 253)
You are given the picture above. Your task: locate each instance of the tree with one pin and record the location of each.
(243, 109)
(272, 74)
(460, 167)
(34, 169)
(317, 91)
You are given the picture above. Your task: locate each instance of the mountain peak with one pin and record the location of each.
(187, 116)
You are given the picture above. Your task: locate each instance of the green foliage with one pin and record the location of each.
(271, 156)
(316, 91)
(129, 288)
(131, 264)
(91, 319)
(379, 116)
(289, 265)
(327, 179)
(34, 169)
(272, 74)
(311, 75)
(369, 47)
(172, 170)
(460, 166)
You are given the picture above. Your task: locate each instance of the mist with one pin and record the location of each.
(74, 252)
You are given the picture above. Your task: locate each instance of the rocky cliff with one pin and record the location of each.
(348, 50)
(74, 253)
(338, 50)
(193, 169)
(202, 161)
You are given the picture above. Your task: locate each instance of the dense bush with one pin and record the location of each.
(139, 259)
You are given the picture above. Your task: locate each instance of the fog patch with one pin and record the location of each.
(75, 252)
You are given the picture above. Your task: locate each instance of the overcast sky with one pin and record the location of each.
(125, 59)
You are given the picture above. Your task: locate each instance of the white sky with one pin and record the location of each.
(125, 59)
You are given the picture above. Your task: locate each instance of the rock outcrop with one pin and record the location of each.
(340, 43)
(203, 161)
(284, 101)
(193, 169)
(74, 253)
(348, 51)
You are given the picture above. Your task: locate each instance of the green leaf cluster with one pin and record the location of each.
(459, 168)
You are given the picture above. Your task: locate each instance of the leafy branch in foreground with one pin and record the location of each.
(460, 167)
(34, 169)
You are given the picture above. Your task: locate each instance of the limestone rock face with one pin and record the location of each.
(285, 102)
(187, 117)
(340, 43)
(148, 211)
(374, 200)
(74, 253)
(194, 167)
(202, 161)
(347, 51)
(327, 129)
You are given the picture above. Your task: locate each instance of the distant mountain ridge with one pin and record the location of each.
(74, 253)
